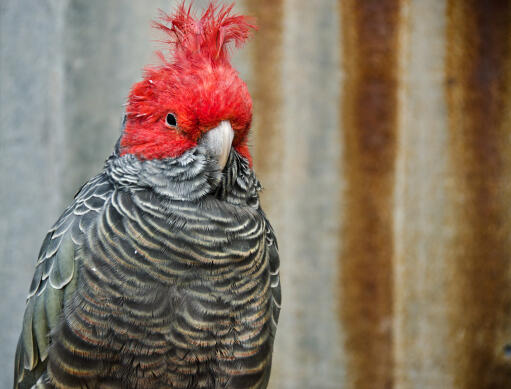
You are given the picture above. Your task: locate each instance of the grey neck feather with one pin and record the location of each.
(188, 177)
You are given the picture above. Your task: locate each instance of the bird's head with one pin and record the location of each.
(195, 96)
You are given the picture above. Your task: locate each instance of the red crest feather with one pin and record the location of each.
(197, 85)
(206, 37)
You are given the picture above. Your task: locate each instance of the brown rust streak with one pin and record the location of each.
(478, 98)
(266, 60)
(369, 123)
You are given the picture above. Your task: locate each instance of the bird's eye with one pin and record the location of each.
(170, 120)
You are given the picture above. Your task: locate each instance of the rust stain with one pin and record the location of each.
(265, 88)
(370, 30)
(478, 99)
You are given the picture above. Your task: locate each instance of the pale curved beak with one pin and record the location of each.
(218, 142)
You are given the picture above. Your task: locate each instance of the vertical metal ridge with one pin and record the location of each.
(370, 43)
(266, 92)
(421, 228)
(306, 199)
(478, 101)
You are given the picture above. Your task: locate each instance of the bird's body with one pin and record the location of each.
(163, 273)
(165, 292)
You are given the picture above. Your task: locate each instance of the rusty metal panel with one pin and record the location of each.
(382, 137)
(478, 104)
(369, 110)
(422, 234)
(309, 344)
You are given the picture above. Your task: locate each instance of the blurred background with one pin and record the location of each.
(382, 136)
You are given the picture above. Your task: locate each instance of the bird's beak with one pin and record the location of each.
(218, 142)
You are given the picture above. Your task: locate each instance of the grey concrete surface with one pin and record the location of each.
(31, 149)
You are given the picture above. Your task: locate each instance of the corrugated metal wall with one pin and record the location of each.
(382, 135)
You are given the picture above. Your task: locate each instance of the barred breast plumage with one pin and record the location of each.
(161, 274)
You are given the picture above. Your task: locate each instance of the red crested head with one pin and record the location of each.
(193, 92)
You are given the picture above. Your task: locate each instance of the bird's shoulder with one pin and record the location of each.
(54, 279)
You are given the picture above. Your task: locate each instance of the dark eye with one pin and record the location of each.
(170, 120)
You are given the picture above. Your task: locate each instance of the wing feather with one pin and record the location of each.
(64, 264)
(273, 252)
(54, 280)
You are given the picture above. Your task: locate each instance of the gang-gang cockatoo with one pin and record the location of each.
(164, 271)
